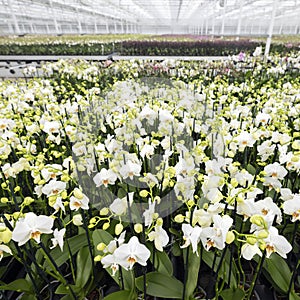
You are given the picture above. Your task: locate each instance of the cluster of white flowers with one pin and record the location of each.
(143, 158)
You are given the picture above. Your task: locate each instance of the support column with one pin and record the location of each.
(270, 31)
(238, 30)
(223, 19)
(54, 17)
(78, 22)
(13, 15)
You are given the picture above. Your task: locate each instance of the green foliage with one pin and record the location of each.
(193, 268)
(160, 285)
(84, 267)
(230, 294)
(162, 262)
(120, 295)
(19, 285)
(76, 243)
(278, 272)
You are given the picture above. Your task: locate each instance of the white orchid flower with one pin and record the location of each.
(248, 251)
(216, 236)
(105, 177)
(79, 201)
(191, 236)
(149, 213)
(132, 252)
(58, 238)
(160, 237)
(31, 227)
(277, 243)
(115, 243)
(110, 261)
(269, 209)
(119, 206)
(292, 207)
(53, 188)
(130, 169)
(6, 249)
(276, 171)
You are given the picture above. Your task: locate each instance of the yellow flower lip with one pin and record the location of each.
(35, 235)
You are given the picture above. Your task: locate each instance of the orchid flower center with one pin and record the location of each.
(35, 235)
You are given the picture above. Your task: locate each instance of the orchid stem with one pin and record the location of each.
(256, 274)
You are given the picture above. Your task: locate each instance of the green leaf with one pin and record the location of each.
(120, 295)
(28, 297)
(128, 279)
(162, 262)
(193, 271)
(101, 236)
(208, 257)
(236, 294)
(84, 266)
(251, 169)
(278, 271)
(67, 297)
(65, 290)
(19, 285)
(161, 285)
(294, 296)
(76, 243)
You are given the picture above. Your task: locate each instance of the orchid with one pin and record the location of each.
(105, 177)
(31, 227)
(292, 207)
(191, 236)
(58, 238)
(276, 243)
(159, 236)
(100, 165)
(216, 236)
(132, 252)
(4, 249)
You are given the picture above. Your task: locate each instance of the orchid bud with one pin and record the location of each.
(263, 234)
(104, 211)
(106, 226)
(138, 228)
(118, 229)
(251, 240)
(259, 221)
(28, 200)
(78, 193)
(179, 218)
(230, 237)
(97, 258)
(5, 236)
(101, 246)
(77, 220)
(144, 193)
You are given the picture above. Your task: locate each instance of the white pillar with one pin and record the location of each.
(54, 17)
(238, 30)
(223, 21)
(78, 22)
(270, 31)
(17, 29)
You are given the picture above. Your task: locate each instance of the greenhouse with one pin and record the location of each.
(149, 150)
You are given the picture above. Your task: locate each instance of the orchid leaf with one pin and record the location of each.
(161, 285)
(84, 266)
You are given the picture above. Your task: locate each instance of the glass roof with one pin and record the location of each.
(226, 17)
